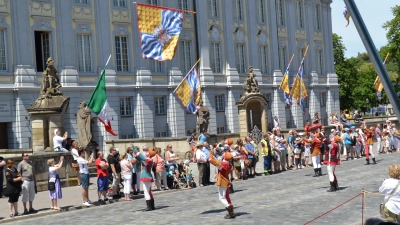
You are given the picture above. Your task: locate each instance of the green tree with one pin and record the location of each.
(347, 73)
(393, 36)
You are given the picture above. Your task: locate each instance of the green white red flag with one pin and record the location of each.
(98, 102)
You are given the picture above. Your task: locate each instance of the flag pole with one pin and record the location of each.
(187, 75)
(387, 56)
(161, 7)
(301, 78)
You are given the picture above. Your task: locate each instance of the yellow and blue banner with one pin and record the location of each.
(299, 90)
(159, 28)
(285, 84)
(378, 84)
(189, 91)
(346, 15)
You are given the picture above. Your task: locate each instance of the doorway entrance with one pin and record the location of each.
(254, 113)
(3, 136)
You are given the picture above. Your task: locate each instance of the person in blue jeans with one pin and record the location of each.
(347, 143)
(250, 150)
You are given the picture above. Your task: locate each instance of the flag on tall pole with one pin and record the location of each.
(98, 102)
(346, 15)
(299, 91)
(189, 90)
(285, 84)
(377, 84)
(159, 28)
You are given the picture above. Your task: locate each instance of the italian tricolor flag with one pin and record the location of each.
(98, 102)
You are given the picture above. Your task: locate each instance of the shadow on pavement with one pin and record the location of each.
(157, 208)
(219, 210)
(241, 214)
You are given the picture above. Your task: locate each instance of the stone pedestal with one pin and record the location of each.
(252, 112)
(47, 115)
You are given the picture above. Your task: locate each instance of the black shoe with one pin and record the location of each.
(332, 188)
(149, 208)
(152, 204)
(316, 173)
(319, 172)
(116, 196)
(367, 162)
(336, 185)
(230, 214)
(373, 160)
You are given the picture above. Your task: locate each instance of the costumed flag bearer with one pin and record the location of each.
(146, 177)
(224, 169)
(331, 160)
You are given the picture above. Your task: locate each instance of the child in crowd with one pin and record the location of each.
(297, 153)
(188, 172)
(386, 137)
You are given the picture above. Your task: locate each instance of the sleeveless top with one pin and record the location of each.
(171, 155)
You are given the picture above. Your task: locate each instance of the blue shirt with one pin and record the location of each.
(347, 139)
(203, 138)
(133, 165)
(249, 147)
(206, 151)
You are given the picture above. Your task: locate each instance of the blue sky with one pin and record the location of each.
(374, 13)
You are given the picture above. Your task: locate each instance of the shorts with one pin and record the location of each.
(348, 148)
(13, 198)
(28, 191)
(238, 169)
(102, 184)
(172, 166)
(189, 177)
(291, 152)
(115, 182)
(307, 152)
(297, 161)
(133, 178)
(277, 156)
(85, 180)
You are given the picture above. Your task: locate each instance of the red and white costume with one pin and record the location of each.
(331, 160)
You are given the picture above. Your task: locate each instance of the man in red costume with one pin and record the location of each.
(331, 160)
(223, 182)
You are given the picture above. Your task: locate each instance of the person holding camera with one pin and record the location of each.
(53, 177)
(84, 173)
(58, 140)
(29, 190)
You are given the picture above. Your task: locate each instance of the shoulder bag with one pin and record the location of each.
(51, 186)
(382, 206)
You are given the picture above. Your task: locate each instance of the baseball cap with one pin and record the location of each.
(346, 129)
(199, 144)
(333, 130)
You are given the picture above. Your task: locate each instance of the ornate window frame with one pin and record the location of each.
(84, 28)
(6, 27)
(121, 29)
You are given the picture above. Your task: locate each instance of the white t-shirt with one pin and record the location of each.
(394, 202)
(200, 155)
(57, 141)
(75, 154)
(83, 168)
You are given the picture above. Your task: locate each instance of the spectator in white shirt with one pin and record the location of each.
(391, 189)
(58, 140)
(84, 173)
(201, 163)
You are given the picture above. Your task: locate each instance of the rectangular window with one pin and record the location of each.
(125, 106)
(121, 52)
(86, 2)
(152, 2)
(220, 130)
(240, 58)
(185, 55)
(119, 3)
(317, 17)
(261, 11)
(323, 99)
(282, 58)
(215, 57)
(161, 134)
(156, 66)
(219, 103)
(127, 136)
(280, 13)
(319, 62)
(183, 4)
(42, 48)
(238, 9)
(84, 53)
(159, 105)
(268, 98)
(213, 8)
(263, 59)
(3, 58)
(299, 14)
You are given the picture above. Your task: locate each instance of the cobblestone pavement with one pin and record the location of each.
(293, 197)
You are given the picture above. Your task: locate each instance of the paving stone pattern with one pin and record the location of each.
(293, 197)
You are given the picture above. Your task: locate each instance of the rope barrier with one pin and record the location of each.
(333, 209)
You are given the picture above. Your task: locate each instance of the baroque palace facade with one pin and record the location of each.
(228, 36)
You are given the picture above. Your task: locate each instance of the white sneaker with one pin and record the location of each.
(90, 202)
(87, 204)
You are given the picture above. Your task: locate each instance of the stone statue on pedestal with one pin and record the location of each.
(83, 120)
(251, 84)
(51, 82)
(203, 117)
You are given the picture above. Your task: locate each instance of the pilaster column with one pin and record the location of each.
(273, 30)
(232, 75)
